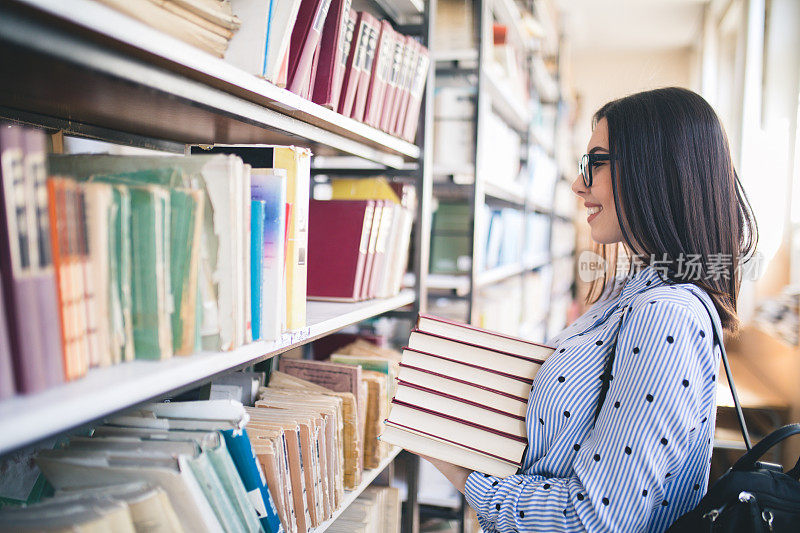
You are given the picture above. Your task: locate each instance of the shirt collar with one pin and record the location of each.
(644, 278)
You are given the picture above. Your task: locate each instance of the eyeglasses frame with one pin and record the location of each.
(587, 163)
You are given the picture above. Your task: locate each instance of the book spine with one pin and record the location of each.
(432, 412)
(354, 60)
(244, 459)
(492, 370)
(19, 271)
(305, 38)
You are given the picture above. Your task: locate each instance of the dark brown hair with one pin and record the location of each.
(677, 193)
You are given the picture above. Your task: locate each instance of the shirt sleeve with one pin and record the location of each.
(642, 435)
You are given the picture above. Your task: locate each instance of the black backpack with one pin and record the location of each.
(752, 495)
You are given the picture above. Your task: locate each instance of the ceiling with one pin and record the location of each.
(617, 25)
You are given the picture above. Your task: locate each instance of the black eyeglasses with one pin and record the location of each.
(588, 162)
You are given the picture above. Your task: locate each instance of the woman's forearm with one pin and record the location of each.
(457, 475)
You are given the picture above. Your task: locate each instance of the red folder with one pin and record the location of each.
(371, 32)
(332, 55)
(305, 37)
(380, 76)
(338, 235)
(352, 72)
(409, 130)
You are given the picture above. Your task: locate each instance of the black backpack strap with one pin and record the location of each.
(717, 329)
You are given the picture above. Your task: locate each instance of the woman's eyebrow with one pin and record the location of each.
(598, 149)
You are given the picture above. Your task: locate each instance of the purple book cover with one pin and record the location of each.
(47, 300)
(18, 267)
(6, 368)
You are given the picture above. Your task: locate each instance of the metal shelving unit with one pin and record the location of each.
(81, 68)
(492, 96)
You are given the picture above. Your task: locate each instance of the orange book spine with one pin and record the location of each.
(57, 207)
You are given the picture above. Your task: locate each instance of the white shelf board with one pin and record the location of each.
(174, 78)
(403, 11)
(350, 496)
(103, 391)
(460, 282)
(508, 105)
(503, 192)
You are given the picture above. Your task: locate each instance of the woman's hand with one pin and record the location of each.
(457, 475)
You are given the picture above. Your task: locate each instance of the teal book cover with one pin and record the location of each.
(257, 208)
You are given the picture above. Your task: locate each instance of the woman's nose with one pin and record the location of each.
(577, 186)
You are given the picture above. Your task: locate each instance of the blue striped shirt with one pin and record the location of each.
(645, 462)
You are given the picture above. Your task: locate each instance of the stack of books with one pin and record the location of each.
(341, 59)
(462, 395)
(206, 24)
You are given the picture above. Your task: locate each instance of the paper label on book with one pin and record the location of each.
(371, 45)
(225, 392)
(319, 20)
(16, 208)
(368, 214)
(385, 59)
(257, 501)
(349, 25)
(397, 61)
(360, 58)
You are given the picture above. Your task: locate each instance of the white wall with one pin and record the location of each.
(604, 76)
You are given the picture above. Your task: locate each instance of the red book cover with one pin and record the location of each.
(409, 132)
(305, 37)
(380, 76)
(394, 82)
(449, 441)
(474, 328)
(465, 401)
(409, 67)
(351, 76)
(333, 50)
(309, 87)
(371, 32)
(338, 233)
(479, 367)
(462, 381)
(372, 242)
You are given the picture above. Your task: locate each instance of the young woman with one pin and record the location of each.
(657, 178)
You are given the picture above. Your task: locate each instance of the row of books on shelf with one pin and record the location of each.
(509, 236)
(455, 404)
(322, 50)
(281, 464)
(147, 257)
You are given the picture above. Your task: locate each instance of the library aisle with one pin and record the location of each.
(257, 256)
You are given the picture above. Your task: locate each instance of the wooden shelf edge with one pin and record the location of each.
(103, 391)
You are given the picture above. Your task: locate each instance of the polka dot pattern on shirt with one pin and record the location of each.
(649, 381)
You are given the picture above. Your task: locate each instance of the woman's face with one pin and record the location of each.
(601, 213)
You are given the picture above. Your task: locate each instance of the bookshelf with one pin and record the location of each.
(350, 496)
(107, 390)
(495, 98)
(83, 69)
